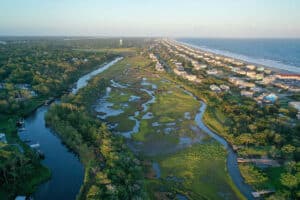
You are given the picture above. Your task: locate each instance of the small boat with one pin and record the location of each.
(34, 146)
(20, 123)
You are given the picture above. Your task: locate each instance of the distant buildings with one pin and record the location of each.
(260, 69)
(179, 70)
(268, 79)
(247, 93)
(247, 76)
(220, 88)
(158, 65)
(215, 88)
(251, 67)
(225, 87)
(288, 76)
(212, 72)
(179, 66)
(241, 83)
(270, 98)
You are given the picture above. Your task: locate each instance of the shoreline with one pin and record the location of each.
(212, 51)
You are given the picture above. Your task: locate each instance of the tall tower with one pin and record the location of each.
(121, 42)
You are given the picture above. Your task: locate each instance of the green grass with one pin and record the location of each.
(203, 169)
(253, 175)
(168, 108)
(124, 123)
(211, 120)
(273, 174)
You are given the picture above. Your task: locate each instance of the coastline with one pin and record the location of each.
(296, 70)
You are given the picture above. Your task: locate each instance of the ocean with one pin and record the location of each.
(276, 53)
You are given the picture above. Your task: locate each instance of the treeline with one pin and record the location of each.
(40, 69)
(111, 170)
(17, 170)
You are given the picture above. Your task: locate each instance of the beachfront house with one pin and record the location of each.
(212, 72)
(268, 79)
(256, 89)
(251, 67)
(225, 87)
(215, 88)
(247, 93)
(159, 67)
(270, 98)
(179, 66)
(241, 72)
(260, 69)
(251, 74)
(241, 83)
(289, 76)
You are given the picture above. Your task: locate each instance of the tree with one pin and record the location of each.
(288, 180)
(288, 150)
(246, 139)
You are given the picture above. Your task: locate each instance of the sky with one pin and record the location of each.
(166, 18)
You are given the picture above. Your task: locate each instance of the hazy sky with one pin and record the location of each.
(175, 18)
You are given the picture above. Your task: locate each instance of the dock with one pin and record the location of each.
(259, 161)
(261, 193)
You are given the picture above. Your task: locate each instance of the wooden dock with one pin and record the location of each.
(259, 161)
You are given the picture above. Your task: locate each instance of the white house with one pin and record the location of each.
(225, 87)
(3, 138)
(215, 88)
(247, 93)
(251, 67)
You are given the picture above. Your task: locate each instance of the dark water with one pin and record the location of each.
(67, 171)
(277, 53)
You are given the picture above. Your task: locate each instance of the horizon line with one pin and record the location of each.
(144, 36)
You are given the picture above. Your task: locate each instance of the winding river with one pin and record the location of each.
(66, 170)
(232, 165)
